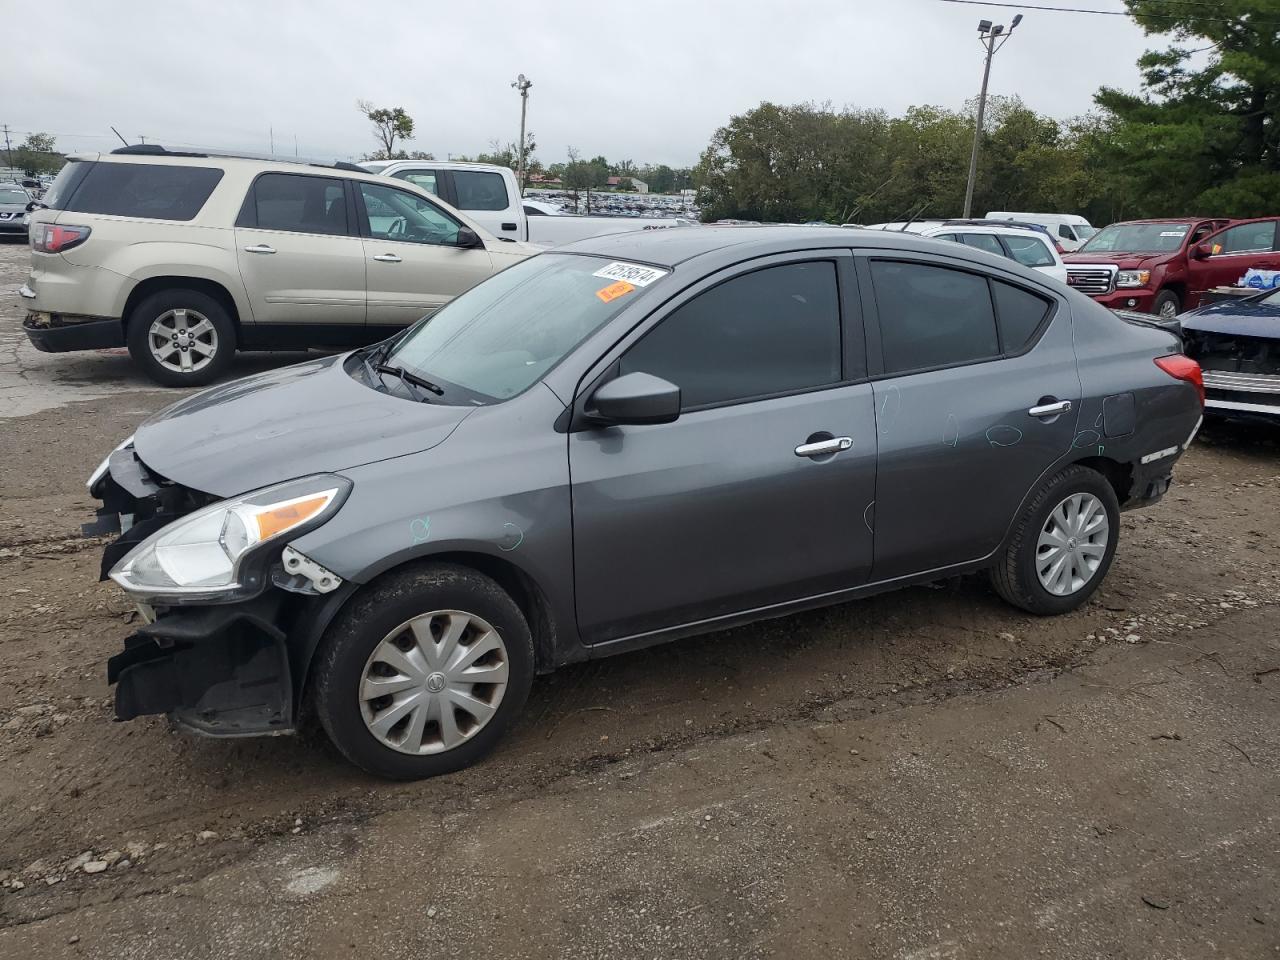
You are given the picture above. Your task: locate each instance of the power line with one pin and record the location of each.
(1116, 13)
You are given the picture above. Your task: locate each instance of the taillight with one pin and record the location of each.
(1183, 368)
(55, 237)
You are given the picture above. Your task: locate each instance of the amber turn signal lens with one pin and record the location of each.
(279, 519)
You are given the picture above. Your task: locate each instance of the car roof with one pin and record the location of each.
(154, 153)
(669, 247)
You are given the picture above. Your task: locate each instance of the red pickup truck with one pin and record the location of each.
(1164, 266)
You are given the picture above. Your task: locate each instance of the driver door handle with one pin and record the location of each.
(259, 248)
(823, 448)
(387, 258)
(1051, 409)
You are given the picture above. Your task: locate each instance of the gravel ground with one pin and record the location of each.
(926, 775)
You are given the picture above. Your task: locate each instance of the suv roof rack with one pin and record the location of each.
(156, 150)
(982, 222)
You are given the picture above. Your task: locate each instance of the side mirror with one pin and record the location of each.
(468, 239)
(636, 398)
(1202, 251)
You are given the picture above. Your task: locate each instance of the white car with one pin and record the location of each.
(1029, 247)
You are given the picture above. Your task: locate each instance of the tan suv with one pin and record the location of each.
(187, 257)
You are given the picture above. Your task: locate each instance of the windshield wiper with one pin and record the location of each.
(409, 378)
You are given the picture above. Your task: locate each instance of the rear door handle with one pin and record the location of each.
(387, 258)
(823, 448)
(259, 248)
(1051, 409)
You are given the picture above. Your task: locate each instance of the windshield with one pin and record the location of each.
(14, 196)
(1138, 238)
(502, 336)
(1084, 231)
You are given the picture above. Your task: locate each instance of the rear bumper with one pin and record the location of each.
(59, 334)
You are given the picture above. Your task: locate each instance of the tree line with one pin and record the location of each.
(1202, 137)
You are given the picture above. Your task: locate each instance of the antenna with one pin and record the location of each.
(122, 139)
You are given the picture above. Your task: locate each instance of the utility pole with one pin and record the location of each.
(8, 148)
(992, 38)
(522, 83)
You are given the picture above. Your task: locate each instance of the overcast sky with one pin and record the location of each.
(648, 81)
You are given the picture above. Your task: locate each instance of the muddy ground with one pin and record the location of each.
(927, 775)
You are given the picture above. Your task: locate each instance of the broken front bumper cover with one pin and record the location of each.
(221, 671)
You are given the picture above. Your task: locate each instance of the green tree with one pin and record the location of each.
(37, 154)
(1203, 135)
(389, 124)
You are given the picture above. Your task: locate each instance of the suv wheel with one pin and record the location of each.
(423, 673)
(181, 338)
(1062, 545)
(1166, 305)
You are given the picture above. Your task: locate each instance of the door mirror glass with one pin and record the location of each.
(636, 398)
(468, 239)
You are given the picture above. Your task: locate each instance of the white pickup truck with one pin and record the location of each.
(489, 195)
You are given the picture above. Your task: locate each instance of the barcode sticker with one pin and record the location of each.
(632, 273)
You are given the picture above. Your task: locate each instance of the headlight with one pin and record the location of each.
(101, 470)
(204, 556)
(1133, 278)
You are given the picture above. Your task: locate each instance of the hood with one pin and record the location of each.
(1236, 317)
(1125, 261)
(13, 207)
(287, 423)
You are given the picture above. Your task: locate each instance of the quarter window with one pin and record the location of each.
(153, 191)
(1029, 251)
(932, 316)
(1020, 314)
(772, 331)
(478, 190)
(398, 215)
(300, 204)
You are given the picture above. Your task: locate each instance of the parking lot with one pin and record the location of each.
(927, 775)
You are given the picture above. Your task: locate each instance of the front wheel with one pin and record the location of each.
(1166, 305)
(1062, 545)
(424, 672)
(181, 338)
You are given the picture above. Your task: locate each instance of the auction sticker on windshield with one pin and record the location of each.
(632, 273)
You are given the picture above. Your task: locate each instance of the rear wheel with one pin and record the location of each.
(1062, 545)
(181, 338)
(1166, 305)
(424, 672)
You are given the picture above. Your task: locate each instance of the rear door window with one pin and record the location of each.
(932, 316)
(480, 190)
(151, 191)
(299, 204)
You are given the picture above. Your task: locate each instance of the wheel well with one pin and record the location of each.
(1119, 475)
(1177, 287)
(210, 288)
(528, 596)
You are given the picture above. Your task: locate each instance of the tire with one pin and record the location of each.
(174, 310)
(357, 652)
(1166, 305)
(1016, 576)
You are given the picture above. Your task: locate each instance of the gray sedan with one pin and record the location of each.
(13, 209)
(631, 440)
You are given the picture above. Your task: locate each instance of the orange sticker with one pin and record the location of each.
(614, 290)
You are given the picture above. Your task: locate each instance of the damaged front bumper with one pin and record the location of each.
(227, 669)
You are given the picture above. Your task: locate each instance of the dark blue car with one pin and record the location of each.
(1237, 343)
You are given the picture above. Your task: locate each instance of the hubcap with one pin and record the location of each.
(182, 340)
(433, 682)
(1072, 544)
(1168, 310)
